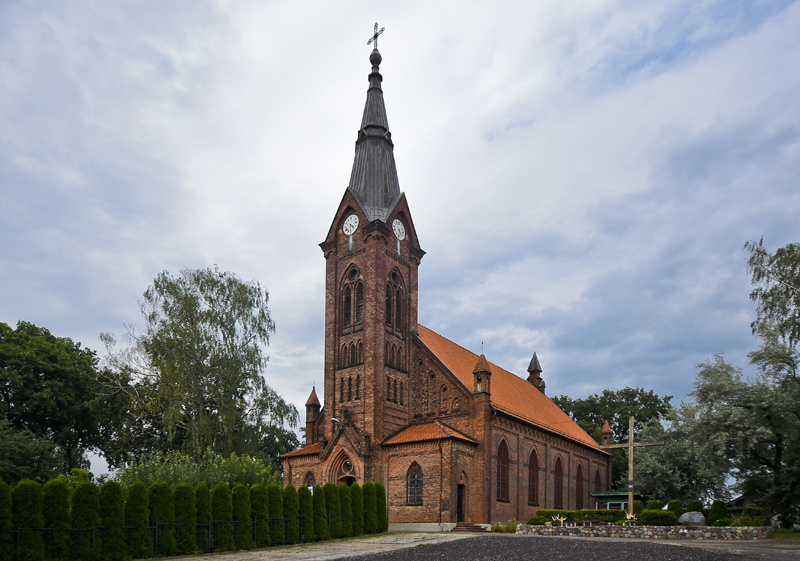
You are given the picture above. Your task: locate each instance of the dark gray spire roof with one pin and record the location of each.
(534, 365)
(373, 180)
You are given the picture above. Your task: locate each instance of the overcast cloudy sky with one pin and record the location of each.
(583, 175)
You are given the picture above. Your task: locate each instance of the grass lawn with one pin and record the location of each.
(784, 534)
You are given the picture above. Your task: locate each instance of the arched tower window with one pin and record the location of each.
(349, 388)
(358, 386)
(414, 480)
(352, 298)
(389, 305)
(359, 303)
(347, 306)
(402, 392)
(502, 472)
(394, 302)
(579, 488)
(533, 479)
(360, 353)
(398, 315)
(558, 485)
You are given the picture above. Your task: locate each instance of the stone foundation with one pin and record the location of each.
(653, 532)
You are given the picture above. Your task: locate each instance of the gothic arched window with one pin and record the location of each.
(414, 480)
(349, 388)
(398, 316)
(359, 303)
(347, 306)
(360, 353)
(598, 482)
(394, 302)
(402, 392)
(352, 289)
(502, 472)
(358, 386)
(579, 488)
(558, 485)
(389, 305)
(533, 479)
(309, 481)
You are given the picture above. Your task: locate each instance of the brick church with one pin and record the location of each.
(452, 436)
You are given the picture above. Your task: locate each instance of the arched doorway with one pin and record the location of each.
(342, 469)
(461, 498)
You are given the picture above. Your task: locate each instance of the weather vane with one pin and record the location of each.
(375, 36)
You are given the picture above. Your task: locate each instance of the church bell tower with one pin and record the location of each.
(372, 254)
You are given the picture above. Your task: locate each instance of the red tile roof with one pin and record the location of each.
(510, 394)
(426, 431)
(309, 450)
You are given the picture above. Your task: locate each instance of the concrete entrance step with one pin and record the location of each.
(467, 527)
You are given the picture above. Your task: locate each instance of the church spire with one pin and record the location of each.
(373, 180)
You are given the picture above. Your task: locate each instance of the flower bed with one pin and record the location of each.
(653, 532)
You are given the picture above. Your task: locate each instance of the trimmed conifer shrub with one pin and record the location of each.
(334, 509)
(695, 505)
(137, 517)
(259, 508)
(346, 506)
(85, 515)
(380, 507)
(321, 530)
(276, 524)
(6, 521)
(675, 506)
(55, 494)
(718, 510)
(112, 517)
(221, 518)
(243, 525)
(370, 508)
(357, 506)
(27, 506)
(291, 508)
(638, 506)
(162, 516)
(659, 517)
(202, 501)
(186, 515)
(305, 514)
(655, 505)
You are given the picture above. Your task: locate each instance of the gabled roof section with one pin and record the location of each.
(425, 432)
(310, 450)
(373, 179)
(510, 394)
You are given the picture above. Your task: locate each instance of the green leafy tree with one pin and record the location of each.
(202, 496)
(28, 505)
(6, 521)
(305, 509)
(259, 503)
(55, 495)
(276, 526)
(112, 517)
(162, 515)
(380, 507)
(222, 515)
(346, 506)
(185, 514)
(47, 387)
(616, 407)
(357, 505)
(291, 508)
(370, 508)
(23, 455)
(333, 508)
(85, 515)
(321, 529)
(137, 518)
(243, 529)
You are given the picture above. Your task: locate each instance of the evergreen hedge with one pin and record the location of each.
(243, 525)
(186, 514)
(695, 505)
(370, 508)
(660, 517)
(112, 517)
(334, 510)
(27, 506)
(162, 515)
(276, 531)
(259, 507)
(305, 511)
(6, 521)
(221, 516)
(357, 505)
(655, 505)
(675, 506)
(137, 517)
(380, 507)
(202, 502)
(321, 530)
(55, 494)
(638, 507)
(85, 514)
(346, 506)
(291, 508)
(718, 510)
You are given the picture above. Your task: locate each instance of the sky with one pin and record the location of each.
(583, 175)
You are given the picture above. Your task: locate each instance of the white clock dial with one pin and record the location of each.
(399, 229)
(350, 225)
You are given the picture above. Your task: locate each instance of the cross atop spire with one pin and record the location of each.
(375, 34)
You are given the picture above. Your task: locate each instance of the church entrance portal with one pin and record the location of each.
(460, 504)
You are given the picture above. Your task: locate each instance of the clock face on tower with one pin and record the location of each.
(399, 229)
(350, 225)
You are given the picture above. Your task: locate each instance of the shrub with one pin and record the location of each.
(305, 511)
(606, 515)
(186, 514)
(243, 524)
(748, 521)
(538, 521)
(549, 513)
(137, 517)
(27, 512)
(357, 506)
(85, 515)
(650, 517)
(291, 507)
(221, 516)
(6, 521)
(655, 505)
(162, 516)
(259, 508)
(334, 509)
(694, 506)
(723, 522)
(380, 507)
(55, 494)
(718, 510)
(321, 530)
(370, 508)
(675, 506)
(112, 516)
(276, 531)
(638, 507)
(202, 501)
(346, 507)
